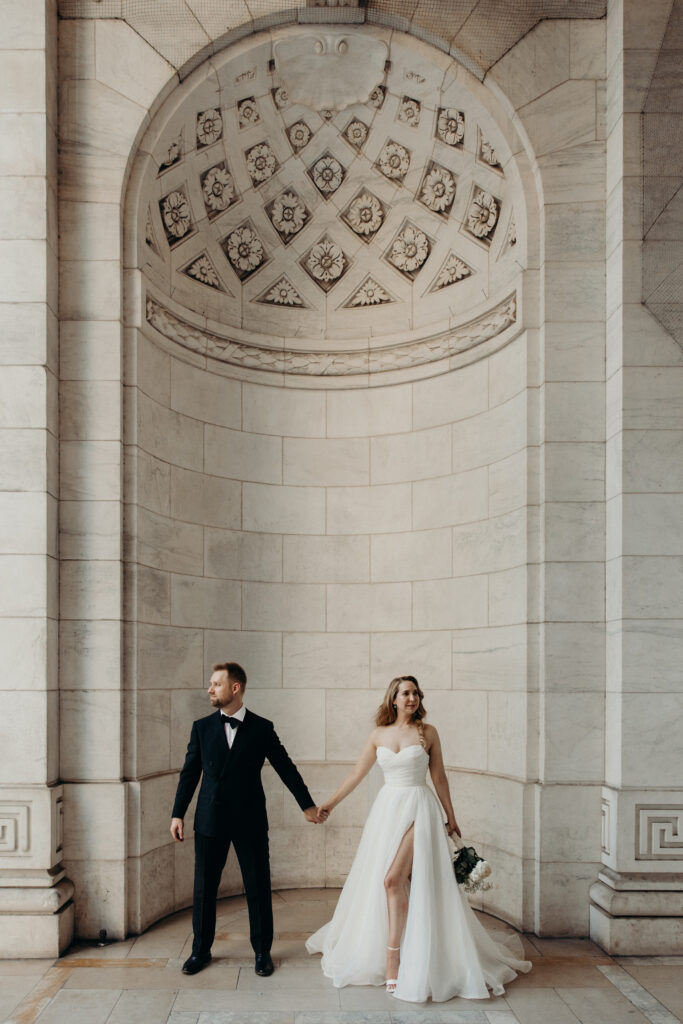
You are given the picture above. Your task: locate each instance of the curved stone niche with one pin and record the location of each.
(364, 238)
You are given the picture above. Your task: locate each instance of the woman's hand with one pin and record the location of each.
(324, 811)
(451, 827)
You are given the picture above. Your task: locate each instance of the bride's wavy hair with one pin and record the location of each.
(386, 712)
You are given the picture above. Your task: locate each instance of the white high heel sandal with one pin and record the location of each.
(391, 983)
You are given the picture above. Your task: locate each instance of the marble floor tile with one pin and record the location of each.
(112, 951)
(78, 1007)
(566, 947)
(142, 1007)
(34, 968)
(13, 990)
(539, 1006)
(344, 1017)
(183, 1017)
(166, 979)
(248, 1017)
(275, 999)
(308, 976)
(564, 976)
(600, 1006)
(645, 985)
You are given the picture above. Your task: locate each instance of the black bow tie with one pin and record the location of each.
(232, 722)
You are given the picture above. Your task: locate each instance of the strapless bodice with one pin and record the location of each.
(407, 767)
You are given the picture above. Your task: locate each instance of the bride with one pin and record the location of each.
(401, 918)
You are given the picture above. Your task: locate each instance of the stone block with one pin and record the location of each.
(205, 396)
(23, 396)
(461, 721)
(426, 655)
(283, 606)
(507, 604)
(90, 470)
(90, 724)
(90, 289)
(449, 500)
(576, 174)
(23, 204)
(450, 397)
(574, 411)
(284, 412)
(490, 658)
(236, 555)
(90, 529)
(90, 411)
(378, 509)
(90, 231)
(507, 734)
(416, 456)
(330, 559)
(334, 462)
(577, 125)
(168, 657)
(491, 436)
(260, 654)
(325, 660)
(575, 591)
(564, 898)
(587, 40)
(367, 413)
(574, 471)
(242, 456)
(540, 61)
(152, 372)
(90, 350)
(25, 523)
(90, 589)
(25, 149)
(411, 556)
(170, 436)
(636, 936)
(574, 737)
(651, 722)
(205, 603)
(508, 484)
(574, 656)
(490, 545)
(24, 27)
(649, 653)
(23, 586)
(346, 733)
(89, 654)
(200, 498)
(24, 459)
(125, 61)
(574, 531)
(94, 821)
(353, 607)
(24, 82)
(44, 936)
(269, 509)
(152, 590)
(298, 717)
(298, 857)
(508, 371)
(450, 604)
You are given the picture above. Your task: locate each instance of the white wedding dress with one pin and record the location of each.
(445, 951)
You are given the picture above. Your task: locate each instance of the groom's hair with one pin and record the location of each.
(235, 672)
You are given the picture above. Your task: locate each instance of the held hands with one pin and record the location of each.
(177, 829)
(316, 815)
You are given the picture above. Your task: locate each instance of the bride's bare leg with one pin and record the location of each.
(396, 887)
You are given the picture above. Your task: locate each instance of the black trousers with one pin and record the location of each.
(211, 853)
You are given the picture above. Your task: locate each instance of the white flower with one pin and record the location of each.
(203, 270)
(356, 132)
(248, 113)
(451, 126)
(369, 294)
(245, 249)
(377, 97)
(289, 214)
(176, 213)
(394, 160)
(409, 111)
(365, 214)
(283, 294)
(299, 134)
(482, 214)
(326, 261)
(261, 162)
(454, 269)
(410, 249)
(218, 188)
(328, 174)
(281, 97)
(438, 189)
(209, 127)
(480, 871)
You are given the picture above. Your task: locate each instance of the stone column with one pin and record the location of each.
(637, 904)
(36, 912)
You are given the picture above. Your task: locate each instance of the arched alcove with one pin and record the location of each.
(327, 431)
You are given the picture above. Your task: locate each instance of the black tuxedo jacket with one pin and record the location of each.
(231, 798)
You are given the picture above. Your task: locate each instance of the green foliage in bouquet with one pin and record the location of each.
(464, 863)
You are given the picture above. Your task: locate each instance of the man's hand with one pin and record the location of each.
(312, 814)
(177, 829)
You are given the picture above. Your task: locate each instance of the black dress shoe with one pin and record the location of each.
(194, 964)
(263, 965)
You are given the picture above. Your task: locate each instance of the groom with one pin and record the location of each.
(228, 749)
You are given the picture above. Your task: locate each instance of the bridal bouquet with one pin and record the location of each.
(471, 870)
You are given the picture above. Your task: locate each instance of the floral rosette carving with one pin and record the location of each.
(203, 270)
(356, 133)
(377, 97)
(299, 135)
(325, 262)
(244, 250)
(261, 163)
(370, 293)
(288, 214)
(409, 111)
(438, 189)
(454, 269)
(482, 215)
(327, 174)
(248, 113)
(209, 127)
(282, 293)
(218, 188)
(365, 215)
(450, 126)
(281, 97)
(176, 215)
(174, 153)
(487, 154)
(410, 250)
(394, 161)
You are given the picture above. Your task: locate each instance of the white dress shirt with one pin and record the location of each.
(229, 730)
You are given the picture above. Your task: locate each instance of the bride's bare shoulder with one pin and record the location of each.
(430, 732)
